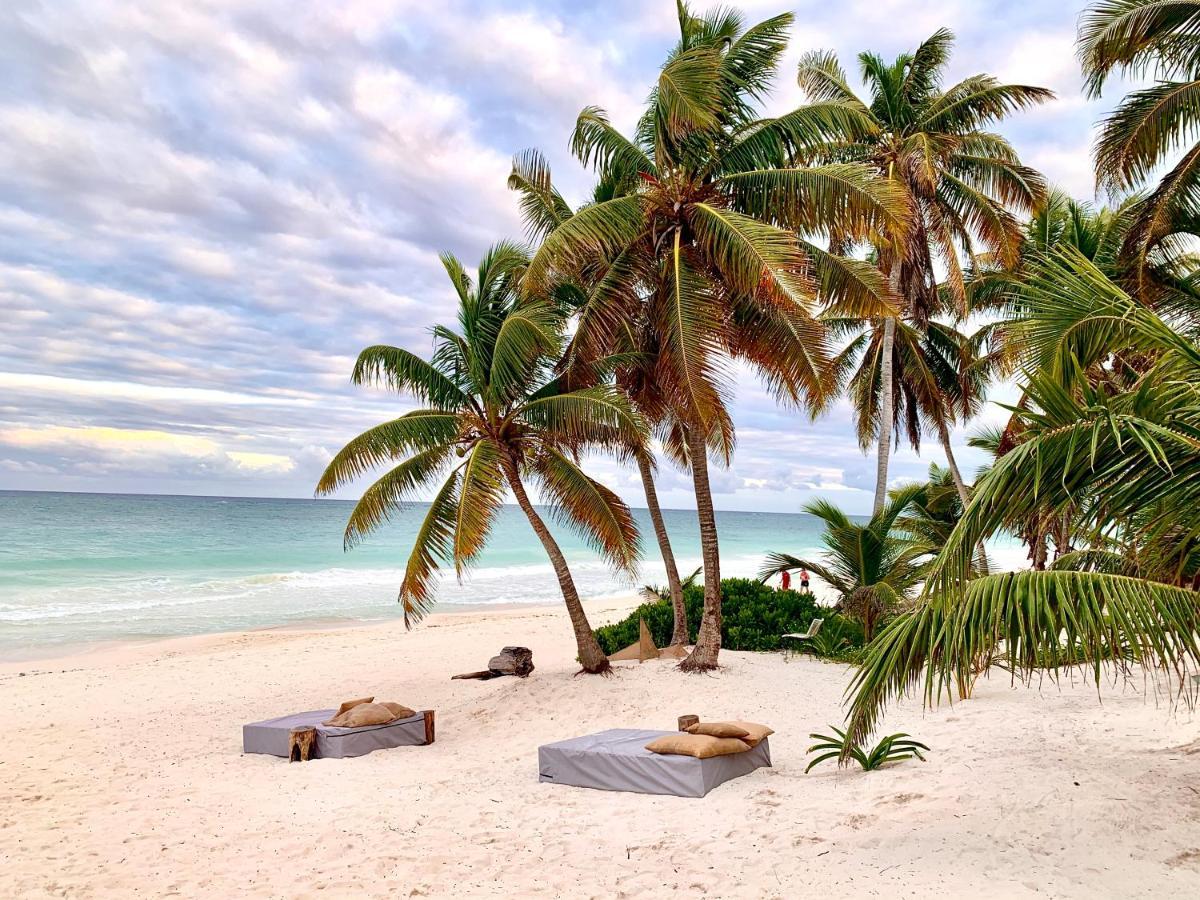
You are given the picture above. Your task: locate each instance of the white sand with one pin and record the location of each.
(121, 775)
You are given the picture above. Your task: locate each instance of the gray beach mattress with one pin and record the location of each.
(617, 760)
(272, 736)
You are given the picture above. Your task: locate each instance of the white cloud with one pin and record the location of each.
(207, 209)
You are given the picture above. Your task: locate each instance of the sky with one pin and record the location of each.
(208, 208)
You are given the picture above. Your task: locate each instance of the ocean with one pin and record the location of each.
(77, 569)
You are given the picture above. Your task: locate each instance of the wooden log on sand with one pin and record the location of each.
(510, 661)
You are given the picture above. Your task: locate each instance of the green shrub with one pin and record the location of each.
(753, 618)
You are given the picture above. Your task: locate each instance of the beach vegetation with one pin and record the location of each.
(756, 616)
(496, 417)
(1109, 441)
(544, 210)
(702, 245)
(964, 186)
(1151, 134)
(891, 749)
(873, 566)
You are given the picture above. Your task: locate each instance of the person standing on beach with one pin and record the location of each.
(804, 581)
(785, 581)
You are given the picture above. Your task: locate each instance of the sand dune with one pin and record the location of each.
(121, 775)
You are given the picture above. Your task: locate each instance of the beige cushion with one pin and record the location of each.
(361, 715)
(756, 732)
(718, 729)
(350, 704)
(701, 746)
(399, 711)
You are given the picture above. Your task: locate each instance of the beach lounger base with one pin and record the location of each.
(274, 735)
(617, 760)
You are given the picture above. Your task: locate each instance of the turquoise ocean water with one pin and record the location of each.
(83, 568)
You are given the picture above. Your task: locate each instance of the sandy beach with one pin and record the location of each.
(122, 775)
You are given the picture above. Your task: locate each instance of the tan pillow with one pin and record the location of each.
(701, 746)
(756, 732)
(718, 729)
(361, 715)
(350, 704)
(400, 712)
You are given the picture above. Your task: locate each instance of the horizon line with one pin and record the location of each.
(4, 490)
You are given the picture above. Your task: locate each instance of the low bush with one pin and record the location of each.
(754, 616)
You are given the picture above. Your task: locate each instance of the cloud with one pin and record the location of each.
(100, 449)
(208, 209)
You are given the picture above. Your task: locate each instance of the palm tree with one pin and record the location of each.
(1159, 38)
(962, 183)
(495, 416)
(873, 567)
(1123, 461)
(933, 513)
(698, 250)
(939, 377)
(1099, 236)
(544, 209)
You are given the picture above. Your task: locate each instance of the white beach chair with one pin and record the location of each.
(813, 627)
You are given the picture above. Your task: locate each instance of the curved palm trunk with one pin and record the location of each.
(708, 640)
(679, 633)
(959, 484)
(886, 413)
(591, 657)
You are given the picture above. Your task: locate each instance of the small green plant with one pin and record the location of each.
(893, 748)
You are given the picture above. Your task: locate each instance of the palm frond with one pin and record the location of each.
(480, 495)
(752, 255)
(600, 416)
(823, 80)
(1031, 619)
(542, 206)
(594, 511)
(1138, 37)
(689, 91)
(596, 142)
(405, 372)
(434, 543)
(415, 432)
(603, 230)
(846, 199)
(388, 493)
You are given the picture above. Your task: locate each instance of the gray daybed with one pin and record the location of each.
(274, 735)
(617, 760)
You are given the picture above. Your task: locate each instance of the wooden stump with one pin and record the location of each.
(302, 743)
(686, 721)
(512, 661)
(430, 734)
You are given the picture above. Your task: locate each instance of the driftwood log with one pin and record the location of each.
(302, 742)
(510, 661)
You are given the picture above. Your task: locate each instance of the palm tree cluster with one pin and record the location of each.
(840, 248)
(1098, 468)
